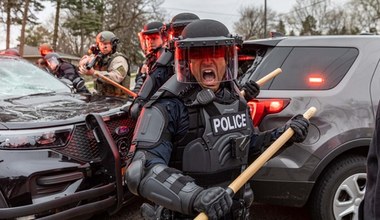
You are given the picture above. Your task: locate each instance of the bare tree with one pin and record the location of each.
(11, 9)
(366, 14)
(251, 22)
(56, 23)
(24, 20)
(126, 19)
(305, 11)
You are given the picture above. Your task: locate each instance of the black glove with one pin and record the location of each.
(300, 126)
(251, 90)
(215, 202)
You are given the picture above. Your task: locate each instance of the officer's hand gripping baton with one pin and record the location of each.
(245, 176)
(265, 79)
(106, 79)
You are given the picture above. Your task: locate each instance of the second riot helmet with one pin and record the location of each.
(179, 22)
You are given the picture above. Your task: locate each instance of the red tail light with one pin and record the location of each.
(246, 58)
(259, 108)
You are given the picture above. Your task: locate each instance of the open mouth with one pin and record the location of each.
(208, 76)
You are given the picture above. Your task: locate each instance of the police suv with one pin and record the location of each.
(339, 75)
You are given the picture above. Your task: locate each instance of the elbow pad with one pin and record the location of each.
(168, 187)
(135, 172)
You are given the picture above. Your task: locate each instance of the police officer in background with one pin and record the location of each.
(152, 40)
(44, 49)
(162, 68)
(65, 70)
(109, 63)
(195, 134)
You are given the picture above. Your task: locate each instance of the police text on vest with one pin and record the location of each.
(227, 123)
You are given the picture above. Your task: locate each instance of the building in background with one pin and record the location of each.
(32, 55)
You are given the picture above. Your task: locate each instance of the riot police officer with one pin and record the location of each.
(162, 68)
(195, 134)
(109, 63)
(152, 40)
(65, 70)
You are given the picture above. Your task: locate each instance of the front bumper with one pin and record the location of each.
(105, 191)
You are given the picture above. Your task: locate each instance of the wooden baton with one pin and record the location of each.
(110, 81)
(266, 78)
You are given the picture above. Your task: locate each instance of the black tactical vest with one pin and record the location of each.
(215, 148)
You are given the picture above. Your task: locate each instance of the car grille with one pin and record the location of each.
(83, 145)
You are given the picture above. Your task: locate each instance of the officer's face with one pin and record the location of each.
(105, 47)
(209, 72)
(153, 41)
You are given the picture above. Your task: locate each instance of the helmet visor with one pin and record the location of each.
(52, 62)
(142, 42)
(206, 65)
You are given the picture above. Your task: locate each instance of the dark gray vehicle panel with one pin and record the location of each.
(344, 120)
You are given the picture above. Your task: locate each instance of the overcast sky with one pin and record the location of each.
(225, 11)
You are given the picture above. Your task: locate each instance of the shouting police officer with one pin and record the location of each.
(195, 134)
(109, 63)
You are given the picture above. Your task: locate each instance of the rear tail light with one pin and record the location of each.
(259, 108)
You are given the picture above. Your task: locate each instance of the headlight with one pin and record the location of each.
(35, 138)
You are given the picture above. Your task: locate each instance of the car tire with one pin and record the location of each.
(340, 189)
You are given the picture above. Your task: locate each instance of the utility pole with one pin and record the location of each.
(265, 18)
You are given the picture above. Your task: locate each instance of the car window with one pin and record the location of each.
(307, 68)
(21, 78)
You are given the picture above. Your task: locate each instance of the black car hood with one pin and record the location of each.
(44, 108)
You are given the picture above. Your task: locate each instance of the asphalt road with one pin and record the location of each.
(258, 212)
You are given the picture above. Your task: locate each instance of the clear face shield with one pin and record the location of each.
(208, 65)
(53, 63)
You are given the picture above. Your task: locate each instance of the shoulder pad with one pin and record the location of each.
(171, 88)
(174, 87)
(165, 58)
(150, 126)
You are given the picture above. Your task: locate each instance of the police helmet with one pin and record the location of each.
(179, 22)
(108, 36)
(53, 60)
(45, 49)
(204, 40)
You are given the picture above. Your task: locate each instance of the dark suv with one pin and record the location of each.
(339, 75)
(51, 164)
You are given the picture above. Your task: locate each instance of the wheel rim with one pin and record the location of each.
(348, 197)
